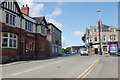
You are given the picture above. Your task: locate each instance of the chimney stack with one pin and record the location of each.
(25, 9)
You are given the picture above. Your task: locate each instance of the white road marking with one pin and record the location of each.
(89, 71)
(27, 70)
(58, 62)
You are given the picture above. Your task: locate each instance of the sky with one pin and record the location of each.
(72, 18)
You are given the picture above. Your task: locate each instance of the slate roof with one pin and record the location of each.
(39, 19)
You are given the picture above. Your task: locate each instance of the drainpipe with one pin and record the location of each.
(36, 42)
(21, 54)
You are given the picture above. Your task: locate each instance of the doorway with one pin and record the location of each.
(96, 50)
(23, 46)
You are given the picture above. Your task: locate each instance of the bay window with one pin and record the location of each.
(43, 30)
(28, 26)
(10, 19)
(9, 40)
(7, 18)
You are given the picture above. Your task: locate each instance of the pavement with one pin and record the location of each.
(73, 66)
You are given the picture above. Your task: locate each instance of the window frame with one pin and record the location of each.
(8, 40)
(28, 26)
(95, 39)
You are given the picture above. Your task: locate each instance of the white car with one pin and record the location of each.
(84, 52)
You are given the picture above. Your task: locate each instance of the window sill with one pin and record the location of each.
(8, 48)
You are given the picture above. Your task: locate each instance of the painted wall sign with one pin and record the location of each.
(113, 48)
(30, 35)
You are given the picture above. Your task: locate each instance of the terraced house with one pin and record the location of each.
(109, 37)
(21, 36)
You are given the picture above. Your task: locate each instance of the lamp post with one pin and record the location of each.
(100, 33)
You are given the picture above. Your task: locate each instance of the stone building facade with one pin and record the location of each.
(109, 36)
(54, 40)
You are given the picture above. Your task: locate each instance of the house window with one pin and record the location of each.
(28, 26)
(104, 48)
(9, 40)
(95, 38)
(7, 18)
(14, 20)
(112, 37)
(42, 29)
(95, 30)
(11, 5)
(8, 5)
(42, 45)
(11, 19)
(53, 29)
(112, 30)
(104, 38)
(33, 45)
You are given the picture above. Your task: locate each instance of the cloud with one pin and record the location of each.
(78, 33)
(57, 24)
(35, 8)
(63, 38)
(55, 13)
(63, 42)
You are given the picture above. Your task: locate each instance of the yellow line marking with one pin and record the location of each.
(87, 69)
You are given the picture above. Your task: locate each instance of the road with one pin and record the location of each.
(73, 66)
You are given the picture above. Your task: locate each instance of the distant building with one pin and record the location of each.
(119, 39)
(76, 49)
(109, 36)
(54, 46)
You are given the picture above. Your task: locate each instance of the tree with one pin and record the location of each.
(67, 49)
(63, 50)
(83, 38)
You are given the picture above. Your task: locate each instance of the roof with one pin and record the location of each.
(39, 19)
(1, 1)
(48, 23)
(105, 27)
(76, 46)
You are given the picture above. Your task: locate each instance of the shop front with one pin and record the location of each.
(114, 49)
(28, 45)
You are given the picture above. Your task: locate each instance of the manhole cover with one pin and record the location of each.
(58, 67)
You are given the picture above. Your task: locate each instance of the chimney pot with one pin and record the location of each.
(25, 10)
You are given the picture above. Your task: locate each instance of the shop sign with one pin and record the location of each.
(30, 35)
(113, 48)
(26, 47)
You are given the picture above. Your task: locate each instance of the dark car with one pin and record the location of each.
(118, 53)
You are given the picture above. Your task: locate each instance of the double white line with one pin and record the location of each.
(88, 70)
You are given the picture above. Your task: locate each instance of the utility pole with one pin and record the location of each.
(100, 33)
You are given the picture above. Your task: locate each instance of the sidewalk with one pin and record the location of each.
(28, 60)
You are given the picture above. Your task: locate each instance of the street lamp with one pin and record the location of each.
(100, 33)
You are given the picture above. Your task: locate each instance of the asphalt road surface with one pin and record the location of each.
(73, 66)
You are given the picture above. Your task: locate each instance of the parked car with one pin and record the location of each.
(73, 52)
(67, 52)
(84, 52)
(118, 53)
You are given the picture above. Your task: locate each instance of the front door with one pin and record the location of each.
(23, 46)
(96, 51)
